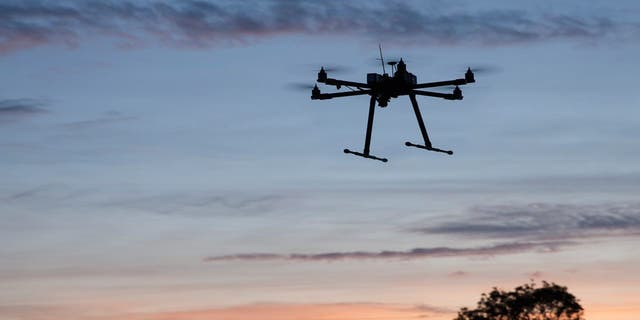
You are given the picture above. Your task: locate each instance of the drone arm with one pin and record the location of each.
(325, 96)
(336, 82)
(447, 96)
(456, 82)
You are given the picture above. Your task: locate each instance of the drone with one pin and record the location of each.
(383, 87)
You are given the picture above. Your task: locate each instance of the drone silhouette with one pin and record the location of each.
(382, 87)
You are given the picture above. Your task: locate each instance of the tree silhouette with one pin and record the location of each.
(526, 302)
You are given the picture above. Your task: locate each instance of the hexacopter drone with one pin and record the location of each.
(382, 87)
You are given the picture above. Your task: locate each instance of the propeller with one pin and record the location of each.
(482, 69)
(299, 86)
(376, 62)
(310, 71)
(335, 69)
(309, 68)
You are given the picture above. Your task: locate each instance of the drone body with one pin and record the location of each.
(382, 87)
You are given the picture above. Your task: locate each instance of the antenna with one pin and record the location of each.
(381, 59)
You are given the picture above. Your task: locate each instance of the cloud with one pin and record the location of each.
(536, 227)
(29, 194)
(228, 203)
(101, 121)
(13, 109)
(200, 24)
(544, 221)
(458, 274)
(328, 311)
(536, 275)
(416, 253)
(259, 311)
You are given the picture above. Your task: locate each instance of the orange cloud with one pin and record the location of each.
(275, 311)
(340, 311)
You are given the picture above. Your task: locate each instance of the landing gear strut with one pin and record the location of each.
(427, 143)
(367, 141)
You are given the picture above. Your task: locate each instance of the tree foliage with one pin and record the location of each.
(526, 302)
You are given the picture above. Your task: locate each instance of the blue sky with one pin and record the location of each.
(151, 149)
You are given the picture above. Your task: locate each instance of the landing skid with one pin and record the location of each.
(368, 156)
(409, 144)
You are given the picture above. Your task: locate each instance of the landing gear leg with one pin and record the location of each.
(367, 141)
(427, 143)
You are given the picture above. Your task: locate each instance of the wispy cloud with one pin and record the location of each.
(416, 253)
(227, 203)
(543, 221)
(107, 119)
(458, 274)
(432, 309)
(536, 275)
(537, 227)
(15, 110)
(200, 24)
(261, 311)
(28, 194)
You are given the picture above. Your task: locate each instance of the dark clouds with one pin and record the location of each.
(537, 227)
(202, 24)
(20, 107)
(416, 253)
(543, 221)
(15, 109)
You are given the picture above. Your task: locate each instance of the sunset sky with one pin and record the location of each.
(155, 163)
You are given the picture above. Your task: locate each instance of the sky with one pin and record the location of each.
(156, 164)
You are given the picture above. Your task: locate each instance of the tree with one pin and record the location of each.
(526, 302)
